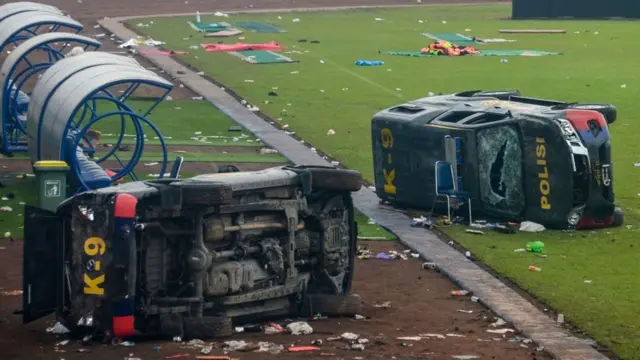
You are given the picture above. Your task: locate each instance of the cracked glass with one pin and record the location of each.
(500, 168)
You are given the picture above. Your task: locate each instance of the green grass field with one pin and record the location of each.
(181, 122)
(327, 91)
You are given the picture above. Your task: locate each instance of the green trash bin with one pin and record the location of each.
(52, 183)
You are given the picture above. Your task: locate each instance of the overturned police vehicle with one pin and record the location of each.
(514, 157)
(185, 257)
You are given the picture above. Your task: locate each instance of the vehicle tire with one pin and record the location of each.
(171, 325)
(609, 111)
(207, 327)
(204, 193)
(329, 178)
(618, 217)
(498, 94)
(333, 305)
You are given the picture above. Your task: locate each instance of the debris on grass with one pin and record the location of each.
(331, 132)
(476, 232)
(530, 226)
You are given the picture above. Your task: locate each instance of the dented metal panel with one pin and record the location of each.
(16, 24)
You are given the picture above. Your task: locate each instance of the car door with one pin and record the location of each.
(41, 263)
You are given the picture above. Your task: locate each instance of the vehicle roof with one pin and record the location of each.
(427, 109)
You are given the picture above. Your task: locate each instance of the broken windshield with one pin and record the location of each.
(500, 169)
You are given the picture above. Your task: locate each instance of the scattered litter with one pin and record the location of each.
(265, 151)
(12, 292)
(459, 292)
(299, 328)
(235, 345)
(530, 226)
(58, 329)
(177, 339)
(476, 232)
(623, 86)
(536, 247)
(475, 299)
(455, 335)
(534, 268)
(331, 132)
(383, 305)
(296, 20)
(500, 331)
(358, 347)
(359, 317)
(369, 63)
(7, 235)
(560, 319)
(302, 348)
(136, 42)
(6, 209)
(588, 281)
(465, 311)
(465, 357)
(409, 338)
(378, 19)
(438, 336)
(467, 254)
(349, 336)
(499, 322)
(273, 328)
(151, 164)
(429, 265)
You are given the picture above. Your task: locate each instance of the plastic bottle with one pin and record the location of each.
(459, 292)
(197, 16)
(535, 247)
(534, 268)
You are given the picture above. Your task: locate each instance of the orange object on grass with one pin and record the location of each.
(270, 46)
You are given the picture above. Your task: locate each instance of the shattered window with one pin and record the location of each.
(500, 167)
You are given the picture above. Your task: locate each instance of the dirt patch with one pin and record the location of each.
(420, 302)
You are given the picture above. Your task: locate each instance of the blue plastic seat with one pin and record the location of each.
(90, 173)
(446, 186)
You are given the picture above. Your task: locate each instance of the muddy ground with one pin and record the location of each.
(419, 303)
(420, 300)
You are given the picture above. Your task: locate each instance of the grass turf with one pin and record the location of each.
(325, 90)
(181, 122)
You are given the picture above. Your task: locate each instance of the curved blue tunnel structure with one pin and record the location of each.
(21, 26)
(10, 9)
(73, 96)
(19, 72)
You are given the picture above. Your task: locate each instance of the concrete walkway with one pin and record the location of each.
(501, 299)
